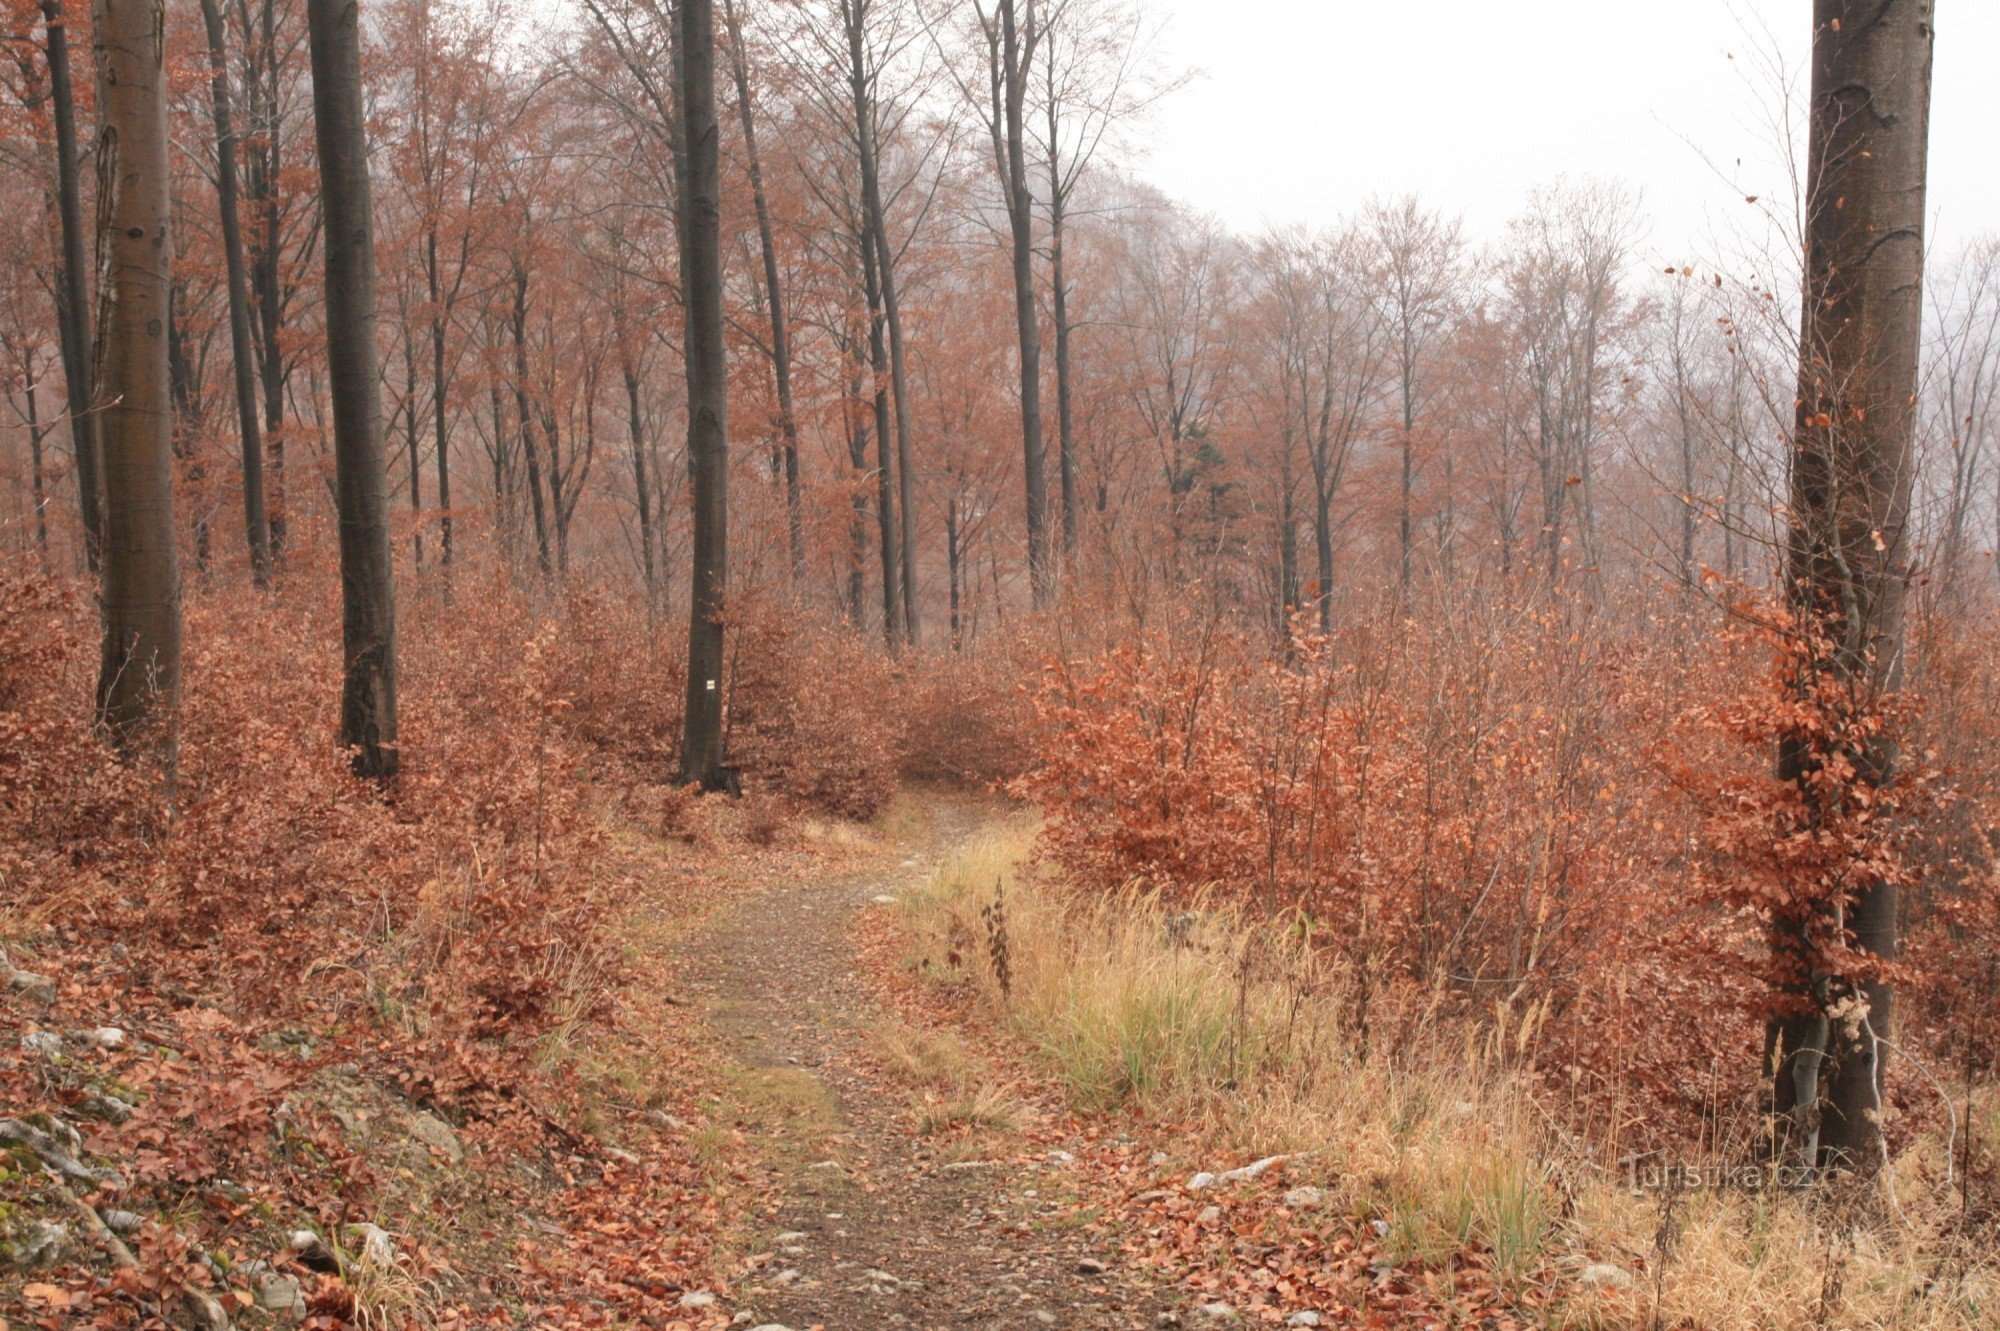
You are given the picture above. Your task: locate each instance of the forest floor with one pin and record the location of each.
(890, 1205)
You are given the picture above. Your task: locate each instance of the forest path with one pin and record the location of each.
(879, 1224)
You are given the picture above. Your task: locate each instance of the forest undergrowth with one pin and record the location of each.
(381, 1057)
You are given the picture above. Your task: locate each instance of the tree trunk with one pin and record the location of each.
(781, 333)
(138, 686)
(73, 291)
(636, 426)
(257, 525)
(267, 270)
(368, 618)
(906, 482)
(708, 398)
(1848, 560)
(953, 557)
(525, 412)
(873, 253)
(1011, 41)
(38, 488)
(440, 377)
(1059, 294)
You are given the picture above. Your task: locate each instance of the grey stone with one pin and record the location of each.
(1249, 1171)
(1201, 1182)
(437, 1134)
(100, 1105)
(372, 1244)
(1603, 1275)
(1307, 1318)
(58, 1155)
(697, 1298)
(29, 1245)
(35, 988)
(46, 1043)
(103, 1037)
(278, 1293)
(1305, 1199)
(121, 1223)
(1210, 1215)
(1218, 1312)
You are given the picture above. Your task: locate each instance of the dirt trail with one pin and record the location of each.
(880, 1225)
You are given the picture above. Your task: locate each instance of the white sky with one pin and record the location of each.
(1303, 109)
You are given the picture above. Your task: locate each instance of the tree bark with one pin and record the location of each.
(440, 378)
(73, 291)
(368, 618)
(257, 524)
(1011, 40)
(522, 409)
(267, 261)
(138, 687)
(1059, 283)
(1848, 558)
(781, 333)
(854, 15)
(906, 483)
(708, 398)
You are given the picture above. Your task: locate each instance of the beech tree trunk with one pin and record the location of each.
(781, 333)
(519, 326)
(138, 686)
(1059, 308)
(1011, 38)
(440, 379)
(267, 280)
(867, 236)
(1848, 558)
(257, 525)
(636, 428)
(708, 398)
(73, 290)
(906, 483)
(368, 619)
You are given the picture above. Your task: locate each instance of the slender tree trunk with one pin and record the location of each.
(138, 685)
(1323, 551)
(1409, 464)
(953, 556)
(855, 13)
(781, 333)
(73, 290)
(1059, 296)
(856, 420)
(38, 490)
(525, 412)
(636, 426)
(906, 482)
(440, 379)
(1012, 54)
(1848, 560)
(267, 272)
(708, 398)
(243, 355)
(368, 618)
(412, 444)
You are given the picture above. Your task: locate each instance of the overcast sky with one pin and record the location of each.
(1303, 109)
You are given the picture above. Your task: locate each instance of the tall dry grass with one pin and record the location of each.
(1446, 1139)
